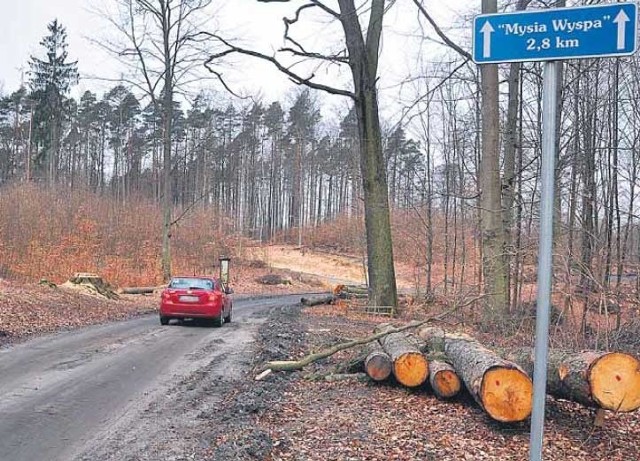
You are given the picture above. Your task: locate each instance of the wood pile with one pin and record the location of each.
(499, 381)
(350, 291)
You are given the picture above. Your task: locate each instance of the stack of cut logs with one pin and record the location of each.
(501, 384)
(339, 292)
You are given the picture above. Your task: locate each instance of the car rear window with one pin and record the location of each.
(191, 282)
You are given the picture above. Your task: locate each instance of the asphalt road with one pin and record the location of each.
(63, 395)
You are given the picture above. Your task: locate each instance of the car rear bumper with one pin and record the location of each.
(185, 310)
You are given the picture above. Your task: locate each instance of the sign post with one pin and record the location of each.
(225, 263)
(551, 35)
(545, 256)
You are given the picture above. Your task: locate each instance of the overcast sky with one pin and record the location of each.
(23, 24)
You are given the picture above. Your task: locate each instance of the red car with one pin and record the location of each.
(196, 298)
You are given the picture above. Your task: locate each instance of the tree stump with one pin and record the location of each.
(92, 284)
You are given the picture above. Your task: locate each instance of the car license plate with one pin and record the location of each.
(189, 299)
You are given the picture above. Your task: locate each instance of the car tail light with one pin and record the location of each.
(214, 297)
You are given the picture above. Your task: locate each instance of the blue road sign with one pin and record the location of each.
(559, 33)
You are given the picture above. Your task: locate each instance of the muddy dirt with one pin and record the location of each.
(237, 436)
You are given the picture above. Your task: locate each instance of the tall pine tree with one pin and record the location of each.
(51, 79)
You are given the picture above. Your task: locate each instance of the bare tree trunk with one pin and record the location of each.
(508, 180)
(510, 148)
(363, 59)
(167, 111)
(495, 286)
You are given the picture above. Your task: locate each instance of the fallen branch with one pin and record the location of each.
(295, 365)
(262, 375)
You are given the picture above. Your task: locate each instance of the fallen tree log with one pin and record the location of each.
(317, 301)
(501, 388)
(350, 289)
(608, 380)
(137, 290)
(377, 364)
(410, 366)
(444, 380)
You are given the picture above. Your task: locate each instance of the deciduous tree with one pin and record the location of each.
(361, 53)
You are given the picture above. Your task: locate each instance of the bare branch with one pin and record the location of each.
(222, 80)
(232, 49)
(288, 22)
(317, 3)
(326, 9)
(334, 59)
(465, 54)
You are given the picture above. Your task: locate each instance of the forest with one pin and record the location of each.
(245, 170)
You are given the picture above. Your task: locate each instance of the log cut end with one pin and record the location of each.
(411, 369)
(378, 366)
(446, 384)
(506, 394)
(615, 382)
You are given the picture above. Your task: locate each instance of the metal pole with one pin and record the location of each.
(545, 260)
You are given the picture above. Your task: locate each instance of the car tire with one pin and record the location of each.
(218, 321)
(164, 320)
(227, 319)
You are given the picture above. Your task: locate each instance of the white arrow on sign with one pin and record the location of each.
(621, 19)
(486, 31)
